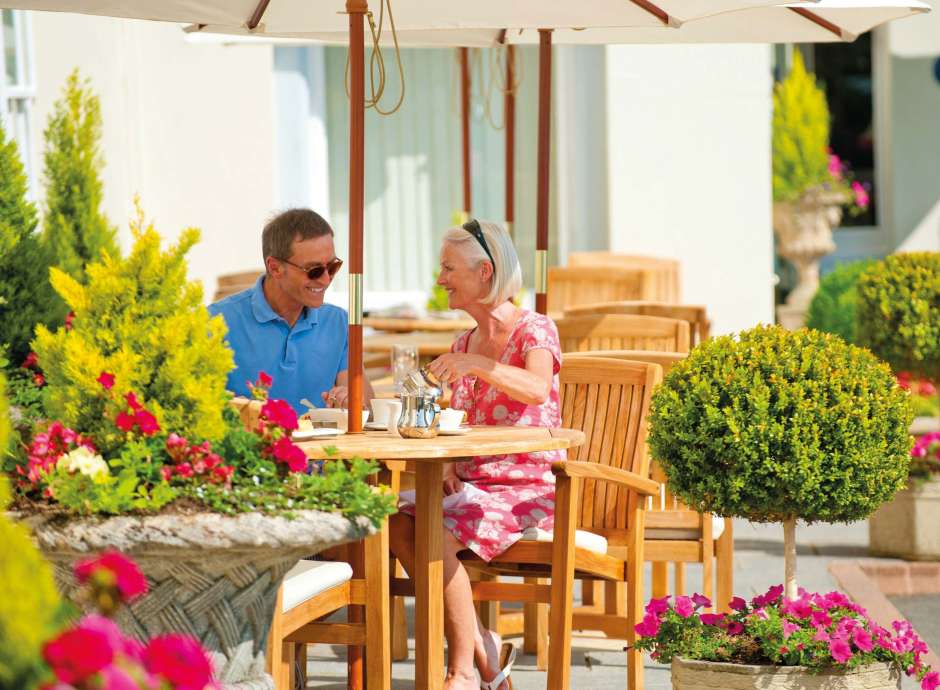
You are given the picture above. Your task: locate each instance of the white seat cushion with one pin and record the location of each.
(589, 541)
(718, 526)
(307, 579)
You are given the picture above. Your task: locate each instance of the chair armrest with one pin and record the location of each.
(591, 470)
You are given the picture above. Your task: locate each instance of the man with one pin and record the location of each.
(281, 326)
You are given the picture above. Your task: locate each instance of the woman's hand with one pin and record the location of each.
(452, 484)
(453, 366)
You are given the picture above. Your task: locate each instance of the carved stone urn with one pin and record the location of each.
(214, 577)
(804, 235)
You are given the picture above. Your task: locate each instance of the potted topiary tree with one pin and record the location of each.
(140, 452)
(899, 319)
(810, 185)
(833, 308)
(775, 426)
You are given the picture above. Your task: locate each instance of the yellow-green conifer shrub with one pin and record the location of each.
(800, 134)
(140, 319)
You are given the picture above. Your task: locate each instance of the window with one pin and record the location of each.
(17, 87)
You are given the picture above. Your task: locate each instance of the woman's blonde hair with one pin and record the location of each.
(507, 273)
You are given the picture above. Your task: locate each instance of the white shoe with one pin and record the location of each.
(507, 657)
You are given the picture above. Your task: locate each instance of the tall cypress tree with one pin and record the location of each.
(75, 229)
(26, 295)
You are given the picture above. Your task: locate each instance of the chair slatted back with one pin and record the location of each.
(569, 286)
(233, 283)
(699, 325)
(622, 332)
(609, 401)
(667, 501)
(667, 272)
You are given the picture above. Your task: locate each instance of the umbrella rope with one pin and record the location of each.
(496, 82)
(377, 74)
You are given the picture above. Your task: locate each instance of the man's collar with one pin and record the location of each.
(264, 312)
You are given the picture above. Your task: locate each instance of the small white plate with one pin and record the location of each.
(315, 433)
(459, 431)
(375, 426)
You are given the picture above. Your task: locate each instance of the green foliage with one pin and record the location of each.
(30, 609)
(899, 312)
(773, 424)
(141, 320)
(75, 229)
(800, 134)
(437, 301)
(4, 417)
(834, 305)
(26, 297)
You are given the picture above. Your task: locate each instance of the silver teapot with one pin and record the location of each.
(419, 414)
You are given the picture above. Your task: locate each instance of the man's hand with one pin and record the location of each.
(336, 396)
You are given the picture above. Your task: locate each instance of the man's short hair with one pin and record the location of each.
(294, 224)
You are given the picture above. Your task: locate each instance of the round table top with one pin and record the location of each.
(481, 440)
(428, 343)
(406, 325)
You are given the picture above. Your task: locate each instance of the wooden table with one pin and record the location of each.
(429, 343)
(406, 325)
(429, 457)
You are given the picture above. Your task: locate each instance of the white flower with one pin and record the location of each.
(84, 461)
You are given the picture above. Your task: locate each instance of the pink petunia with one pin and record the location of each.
(735, 628)
(649, 626)
(701, 601)
(737, 604)
(684, 606)
(789, 628)
(180, 660)
(106, 380)
(862, 639)
(840, 650)
(931, 681)
(658, 606)
(713, 618)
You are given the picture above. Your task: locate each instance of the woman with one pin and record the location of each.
(503, 372)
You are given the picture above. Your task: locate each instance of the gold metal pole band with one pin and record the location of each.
(541, 270)
(355, 299)
(509, 228)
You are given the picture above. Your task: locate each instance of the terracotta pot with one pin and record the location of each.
(709, 675)
(211, 576)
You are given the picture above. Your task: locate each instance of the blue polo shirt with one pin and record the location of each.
(303, 360)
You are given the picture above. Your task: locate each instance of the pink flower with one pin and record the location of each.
(114, 678)
(713, 618)
(124, 421)
(78, 653)
(684, 606)
(132, 401)
(926, 388)
(658, 606)
(821, 635)
(264, 379)
(862, 639)
(735, 628)
(789, 628)
(835, 166)
(285, 452)
(106, 380)
(840, 650)
(115, 569)
(821, 618)
(931, 681)
(737, 604)
(180, 660)
(280, 413)
(649, 626)
(146, 422)
(701, 601)
(861, 195)
(798, 608)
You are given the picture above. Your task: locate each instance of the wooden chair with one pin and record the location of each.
(667, 272)
(699, 325)
(600, 508)
(313, 590)
(622, 332)
(569, 286)
(235, 282)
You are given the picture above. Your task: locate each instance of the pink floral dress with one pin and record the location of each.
(504, 495)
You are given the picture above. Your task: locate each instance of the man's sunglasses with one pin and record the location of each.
(316, 271)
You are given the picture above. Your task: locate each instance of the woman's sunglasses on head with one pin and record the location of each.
(316, 271)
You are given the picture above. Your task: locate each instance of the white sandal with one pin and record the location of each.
(507, 657)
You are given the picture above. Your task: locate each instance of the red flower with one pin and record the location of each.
(280, 413)
(180, 660)
(39, 379)
(106, 380)
(264, 379)
(223, 473)
(124, 421)
(31, 361)
(78, 653)
(116, 569)
(284, 451)
(184, 469)
(68, 320)
(146, 422)
(132, 401)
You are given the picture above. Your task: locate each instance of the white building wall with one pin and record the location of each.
(188, 127)
(689, 170)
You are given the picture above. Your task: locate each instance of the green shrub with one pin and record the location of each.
(139, 319)
(833, 308)
(800, 134)
(26, 297)
(75, 229)
(899, 312)
(773, 425)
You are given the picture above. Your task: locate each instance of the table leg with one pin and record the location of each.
(429, 576)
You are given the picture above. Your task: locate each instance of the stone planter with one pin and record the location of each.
(804, 235)
(211, 576)
(709, 675)
(906, 527)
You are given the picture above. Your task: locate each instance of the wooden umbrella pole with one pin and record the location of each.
(509, 117)
(356, 10)
(465, 128)
(544, 168)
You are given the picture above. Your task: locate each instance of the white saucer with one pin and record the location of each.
(308, 434)
(459, 431)
(375, 426)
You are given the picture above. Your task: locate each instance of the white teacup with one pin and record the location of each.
(450, 419)
(335, 414)
(386, 411)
